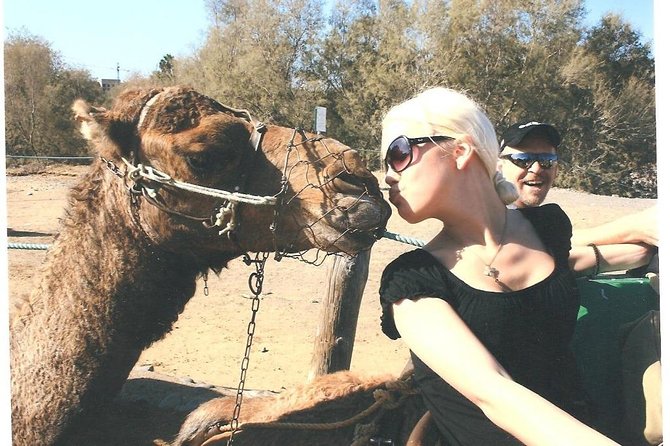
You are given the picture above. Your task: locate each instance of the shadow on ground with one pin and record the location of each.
(150, 406)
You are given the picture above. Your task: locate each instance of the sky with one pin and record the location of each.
(135, 34)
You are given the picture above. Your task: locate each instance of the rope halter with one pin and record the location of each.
(146, 181)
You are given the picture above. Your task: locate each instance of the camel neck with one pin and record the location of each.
(122, 267)
(104, 297)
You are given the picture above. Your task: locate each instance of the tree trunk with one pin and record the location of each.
(334, 341)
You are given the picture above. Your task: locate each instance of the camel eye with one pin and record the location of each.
(211, 160)
(199, 162)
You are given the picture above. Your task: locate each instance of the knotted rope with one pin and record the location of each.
(141, 172)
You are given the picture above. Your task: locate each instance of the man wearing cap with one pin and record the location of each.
(528, 151)
(529, 159)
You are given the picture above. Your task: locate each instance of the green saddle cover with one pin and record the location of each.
(607, 303)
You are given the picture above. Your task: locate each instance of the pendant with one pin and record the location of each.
(492, 272)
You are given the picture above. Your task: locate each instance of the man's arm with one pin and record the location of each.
(615, 257)
(641, 227)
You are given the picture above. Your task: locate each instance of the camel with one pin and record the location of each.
(180, 185)
(337, 409)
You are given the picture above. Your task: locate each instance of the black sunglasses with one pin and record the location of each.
(400, 152)
(525, 160)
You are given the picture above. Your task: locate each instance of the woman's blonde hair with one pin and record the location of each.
(443, 111)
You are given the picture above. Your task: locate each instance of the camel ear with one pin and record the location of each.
(84, 116)
(110, 138)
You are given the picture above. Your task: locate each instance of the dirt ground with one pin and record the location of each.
(201, 356)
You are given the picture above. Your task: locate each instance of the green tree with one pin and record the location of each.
(609, 80)
(255, 55)
(39, 90)
(369, 60)
(341, 65)
(25, 121)
(620, 49)
(165, 73)
(505, 53)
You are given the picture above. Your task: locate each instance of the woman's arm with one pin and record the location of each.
(619, 257)
(428, 324)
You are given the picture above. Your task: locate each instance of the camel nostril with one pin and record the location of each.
(354, 164)
(349, 175)
(349, 184)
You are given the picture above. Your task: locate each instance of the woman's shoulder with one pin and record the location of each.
(410, 262)
(412, 275)
(415, 271)
(415, 257)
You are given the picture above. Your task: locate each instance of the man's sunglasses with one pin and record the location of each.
(400, 152)
(525, 160)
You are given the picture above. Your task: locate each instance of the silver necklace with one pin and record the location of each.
(489, 269)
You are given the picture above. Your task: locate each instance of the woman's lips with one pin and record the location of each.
(393, 195)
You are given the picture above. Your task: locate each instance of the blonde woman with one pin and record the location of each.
(489, 305)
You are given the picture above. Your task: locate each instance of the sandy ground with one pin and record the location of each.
(209, 338)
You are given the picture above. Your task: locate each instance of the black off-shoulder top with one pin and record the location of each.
(528, 331)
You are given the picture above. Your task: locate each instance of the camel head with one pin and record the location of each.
(248, 187)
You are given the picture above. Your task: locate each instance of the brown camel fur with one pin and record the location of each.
(330, 398)
(119, 273)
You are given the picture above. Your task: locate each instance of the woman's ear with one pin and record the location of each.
(463, 151)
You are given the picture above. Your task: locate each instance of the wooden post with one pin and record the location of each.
(334, 341)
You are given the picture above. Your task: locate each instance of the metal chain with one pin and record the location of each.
(280, 196)
(256, 287)
(113, 167)
(205, 289)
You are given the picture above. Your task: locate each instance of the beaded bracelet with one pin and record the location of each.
(598, 256)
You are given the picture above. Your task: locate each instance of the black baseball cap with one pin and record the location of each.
(516, 133)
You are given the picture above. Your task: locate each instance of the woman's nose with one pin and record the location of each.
(391, 176)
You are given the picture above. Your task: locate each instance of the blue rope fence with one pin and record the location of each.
(404, 239)
(37, 157)
(31, 246)
(389, 235)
